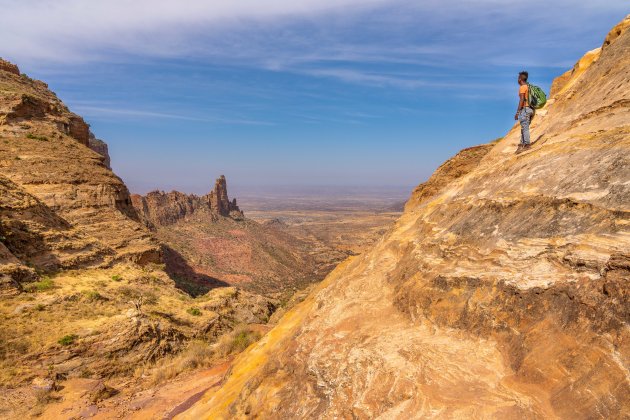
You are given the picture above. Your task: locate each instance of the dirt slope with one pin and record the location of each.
(502, 292)
(242, 253)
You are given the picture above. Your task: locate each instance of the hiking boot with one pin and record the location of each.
(523, 147)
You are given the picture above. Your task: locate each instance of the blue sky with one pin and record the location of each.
(345, 92)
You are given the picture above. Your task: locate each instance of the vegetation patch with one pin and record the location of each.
(44, 284)
(202, 354)
(36, 137)
(194, 311)
(67, 340)
(237, 341)
(134, 293)
(93, 296)
(197, 354)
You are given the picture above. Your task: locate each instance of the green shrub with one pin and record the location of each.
(44, 284)
(194, 311)
(146, 296)
(93, 296)
(117, 277)
(67, 340)
(36, 137)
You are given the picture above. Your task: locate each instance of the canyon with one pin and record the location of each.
(105, 295)
(501, 292)
(208, 242)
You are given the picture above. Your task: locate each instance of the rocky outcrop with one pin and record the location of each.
(158, 208)
(62, 206)
(502, 292)
(100, 147)
(35, 235)
(9, 67)
(208, 243)
(564, 81)
(218, 198)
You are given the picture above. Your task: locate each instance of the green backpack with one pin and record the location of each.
(537, 98)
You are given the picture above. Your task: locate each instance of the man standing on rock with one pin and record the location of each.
(524, 113)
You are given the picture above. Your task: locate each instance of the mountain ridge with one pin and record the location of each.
(85, 217)
(158, 208)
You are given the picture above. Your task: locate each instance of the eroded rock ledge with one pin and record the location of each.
(158, 208)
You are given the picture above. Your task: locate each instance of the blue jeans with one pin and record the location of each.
(524, 117)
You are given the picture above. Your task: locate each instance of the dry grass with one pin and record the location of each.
(63, 309)
(202, 354)
(236, 341)
(197, 354)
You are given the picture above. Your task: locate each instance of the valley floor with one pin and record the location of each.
(335, 222)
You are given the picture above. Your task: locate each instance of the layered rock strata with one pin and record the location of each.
(62, 206)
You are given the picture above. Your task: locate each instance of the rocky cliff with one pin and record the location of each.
(100, 147)
(158, 208)
(502, 292)
(62, 207)
(208, 242)
(33, 235)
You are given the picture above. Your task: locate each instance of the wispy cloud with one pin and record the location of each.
(92, 111)
(280, 33)
(76, 30)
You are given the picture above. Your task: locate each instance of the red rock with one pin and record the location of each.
(9, 67)
(158, 208)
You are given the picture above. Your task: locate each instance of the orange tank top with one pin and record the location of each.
(524, 89)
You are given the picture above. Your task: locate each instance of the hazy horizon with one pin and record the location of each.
(348, 92)
(289, 190)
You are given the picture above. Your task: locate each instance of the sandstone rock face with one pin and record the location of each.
(9, 67)
(62, 206)
(502, 292)
(100, 147)
(158, 208)
(33, 233)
